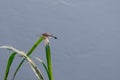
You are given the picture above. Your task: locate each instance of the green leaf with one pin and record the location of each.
(44, 65)
(23, 54)
(49, 61)
(10, 60)
(35, 45)
(28, 54)
(35, 69)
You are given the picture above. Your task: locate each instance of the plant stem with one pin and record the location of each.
(49, 61)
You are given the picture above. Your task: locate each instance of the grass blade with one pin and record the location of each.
(35, 69)
(44, 65)
(32, 64)
(35, 45)
(28, 54)
(49, 61)
(10, 60)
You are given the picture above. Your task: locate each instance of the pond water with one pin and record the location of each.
(88, 34)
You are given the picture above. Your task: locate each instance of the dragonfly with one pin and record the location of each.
(47, 35)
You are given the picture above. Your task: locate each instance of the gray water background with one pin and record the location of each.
(88, 31)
